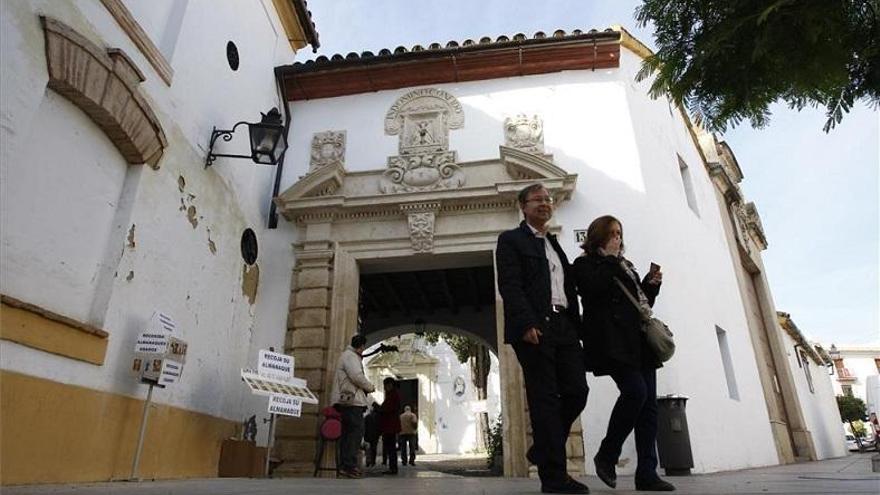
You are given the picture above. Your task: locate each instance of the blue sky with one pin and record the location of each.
(817, 193)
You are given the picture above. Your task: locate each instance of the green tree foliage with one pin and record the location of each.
(496, 444)
(463, 347)
(852, 409)
(728, 60)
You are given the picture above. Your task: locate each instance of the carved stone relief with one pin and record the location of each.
(328, 148)
(741, 218)
(524, 133)
(422, 119)
(421, 231)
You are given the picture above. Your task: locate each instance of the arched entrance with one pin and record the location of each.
(452, 296)
(426, 212)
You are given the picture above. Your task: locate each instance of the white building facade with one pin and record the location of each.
(109, 214)
(401, 162)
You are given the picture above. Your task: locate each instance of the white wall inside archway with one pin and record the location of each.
(448, 419)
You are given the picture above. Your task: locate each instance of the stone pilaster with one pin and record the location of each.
(308, 325)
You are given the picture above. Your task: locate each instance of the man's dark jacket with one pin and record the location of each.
(524, 281)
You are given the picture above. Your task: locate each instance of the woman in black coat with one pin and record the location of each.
(615, 345)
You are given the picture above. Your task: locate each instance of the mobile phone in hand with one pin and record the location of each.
(654, 268)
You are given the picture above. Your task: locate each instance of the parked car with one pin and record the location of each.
(852, 445)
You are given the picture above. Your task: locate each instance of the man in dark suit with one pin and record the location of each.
(541, 323)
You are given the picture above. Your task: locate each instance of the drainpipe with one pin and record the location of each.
(273, 215)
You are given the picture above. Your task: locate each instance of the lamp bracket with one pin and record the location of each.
(226, 135)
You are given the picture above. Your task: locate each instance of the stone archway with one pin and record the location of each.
(426, 209)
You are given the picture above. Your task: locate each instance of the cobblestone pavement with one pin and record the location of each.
(846, 475)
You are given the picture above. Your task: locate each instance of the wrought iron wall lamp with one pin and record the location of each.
(267, 140)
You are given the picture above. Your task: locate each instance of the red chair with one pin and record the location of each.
(329, 431)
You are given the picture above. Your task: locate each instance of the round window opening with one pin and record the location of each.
(232, 55)
(249, 246)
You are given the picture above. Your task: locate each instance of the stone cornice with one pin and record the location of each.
(724, 183)
(756, 228)
(299, 205)
(794, 332)
(297, 22)
(104, 84)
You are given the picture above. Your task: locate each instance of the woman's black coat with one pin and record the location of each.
(612, 326)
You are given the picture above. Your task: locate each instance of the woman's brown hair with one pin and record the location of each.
(599, 232)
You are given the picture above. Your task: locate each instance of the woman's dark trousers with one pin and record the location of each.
(389, 446)
(372, 446)
(635, 409)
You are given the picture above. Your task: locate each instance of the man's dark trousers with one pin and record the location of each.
(556, 390)
(408, 445)
(352, 434)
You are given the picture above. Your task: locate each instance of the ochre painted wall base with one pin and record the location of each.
(56, 433)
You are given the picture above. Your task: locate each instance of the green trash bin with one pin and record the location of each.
(673, 439)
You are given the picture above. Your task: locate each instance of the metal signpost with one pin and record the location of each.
(158, 362)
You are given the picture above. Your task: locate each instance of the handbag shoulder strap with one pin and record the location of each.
(628, 295)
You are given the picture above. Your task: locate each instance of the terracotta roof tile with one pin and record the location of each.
(452, 45)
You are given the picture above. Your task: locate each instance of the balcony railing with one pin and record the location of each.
(845, 375)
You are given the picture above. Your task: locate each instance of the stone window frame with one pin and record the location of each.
(140, 38)
(104, 83)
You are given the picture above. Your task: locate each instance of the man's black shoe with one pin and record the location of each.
(606, 472)
(655, 485)
(567, 486)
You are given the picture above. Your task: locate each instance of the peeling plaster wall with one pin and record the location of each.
(86, 235)
(623, 146)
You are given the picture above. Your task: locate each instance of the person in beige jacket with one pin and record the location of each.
(409, 428)
(349, 397)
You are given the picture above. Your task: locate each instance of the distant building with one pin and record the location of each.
(441, 391)
(853, 365)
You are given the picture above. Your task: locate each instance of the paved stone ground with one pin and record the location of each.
(845, 475)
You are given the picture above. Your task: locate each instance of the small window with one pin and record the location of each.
(805, 364)
(232, 55)
(847, 390)
(688, 185)
(727, 363)
(249, 246)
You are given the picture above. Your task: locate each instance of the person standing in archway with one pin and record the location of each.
(541, 322)
(349, 397)
(409, 427)
(389, 422)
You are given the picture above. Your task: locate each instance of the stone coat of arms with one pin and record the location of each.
(422, 119)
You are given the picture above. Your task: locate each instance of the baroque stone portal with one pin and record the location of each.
(422, 118)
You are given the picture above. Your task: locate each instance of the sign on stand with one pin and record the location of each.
(285, 404)
(273, 365)
(158, 355)
(274, 378)
(158, 361)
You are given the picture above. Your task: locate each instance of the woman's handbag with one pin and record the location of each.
(658, 335)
